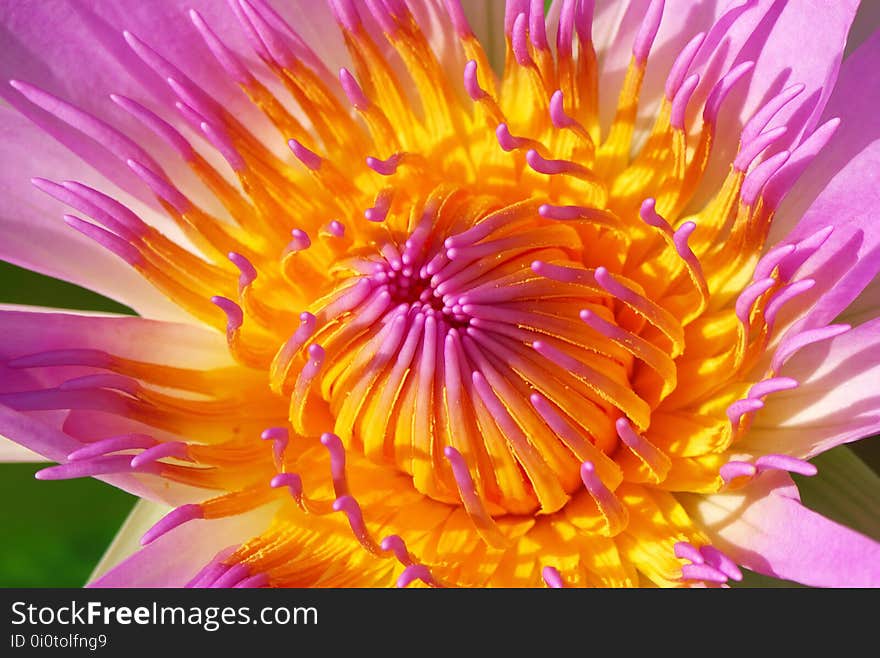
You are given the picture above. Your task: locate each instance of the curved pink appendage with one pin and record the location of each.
(506, 140)
(106, 239)
(473, 503)
(231, 577)
(519, 41)
(737, 469)
(308, 157)
(785, 463)
(300, 241)
(385, 167)
(108, 380)
(751, 150)
(557, 111)
(655, 458)
(221, 141)
(256, 581)
(458, 19)
(280, 438)
(168, 133)
(610, 507)
(754, 182)
(749, 296)
(679, 69)
(550, 167)
(802, 251)
(68, 194)
(648, 31)
(397, 546)
(247, 273)
(352, 510)
(224, 56)
(234, 314)
(416, 572)
(703, 572)
(71, 357)
(721, 89)
(552, 578)
(337, 463)
(772, 385)
(471, 83)
(686, 551)
(771, 260)
(177, 449)
(160, 187)
(174, 518)
(740, 408)
(336, 229)
(793, 344)
(801, 158)
(101, 465)
(784, 295)
(721, 562)
(681, 100)
(771, 108)
(112, 444)
(353, 91)
(538, 25)
(380, 208)
(293, 482)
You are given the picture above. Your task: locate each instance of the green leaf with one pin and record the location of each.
(845, 490)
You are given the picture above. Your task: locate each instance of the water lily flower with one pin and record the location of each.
(445, 293)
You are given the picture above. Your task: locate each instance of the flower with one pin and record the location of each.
(572, 324)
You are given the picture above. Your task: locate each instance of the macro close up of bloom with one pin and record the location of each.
(447, 293)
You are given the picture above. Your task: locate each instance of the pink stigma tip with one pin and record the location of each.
(176, 449)
(234, 314)
(648, 31)
(353, 90)
(309, 158)
(519, 43)
(552, 578)
(174, 518)
(737, 469)
(471, 83)
(458, 19)
(557, 111)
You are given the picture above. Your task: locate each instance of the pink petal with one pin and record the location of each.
(836, 402)
(840, 188)
(615, 29)
(771, 34)
(177, 556)
(54, 434)
(766, 530)
(35, 235)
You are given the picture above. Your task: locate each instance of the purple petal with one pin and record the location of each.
(174, 558)
(840, 188)
(763, 528)
(35, 235)
(771, 34)
(836, 402)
